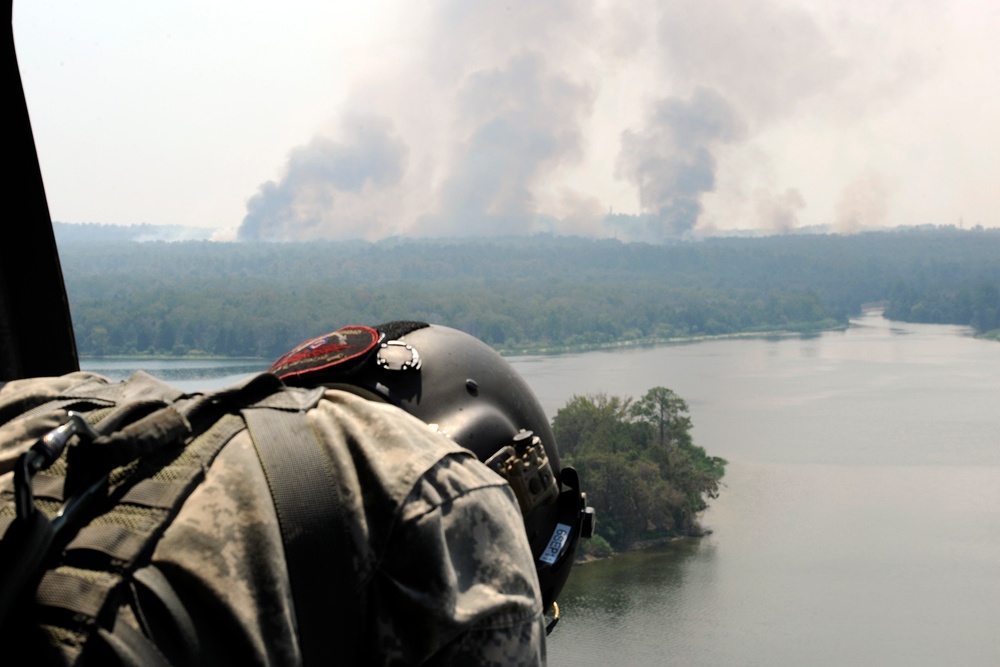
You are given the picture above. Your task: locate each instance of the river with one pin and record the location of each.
(860, 522)
(860, 519)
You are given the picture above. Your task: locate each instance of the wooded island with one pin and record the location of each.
(645, 476)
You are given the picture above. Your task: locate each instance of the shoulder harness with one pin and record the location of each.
(91, 498)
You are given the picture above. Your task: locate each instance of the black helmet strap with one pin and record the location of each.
(399, 328)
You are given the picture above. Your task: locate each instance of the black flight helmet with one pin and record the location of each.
(460, 386)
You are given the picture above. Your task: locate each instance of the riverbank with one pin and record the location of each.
(642, 546)
(698, 531)
(990, 335)
(544, 350)
(526, 350)
(651, 341)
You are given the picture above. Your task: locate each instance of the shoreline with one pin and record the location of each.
(548, 350)
(657, 340)
(524, 351)
(643, 545)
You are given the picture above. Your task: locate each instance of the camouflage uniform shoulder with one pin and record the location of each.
(442, 537)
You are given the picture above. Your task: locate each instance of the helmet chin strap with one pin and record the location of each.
(575, 520)
(555, 619)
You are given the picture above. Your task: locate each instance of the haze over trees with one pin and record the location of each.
(259, 299)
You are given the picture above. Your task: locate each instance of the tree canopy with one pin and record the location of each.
(256, 299)
(644, 475)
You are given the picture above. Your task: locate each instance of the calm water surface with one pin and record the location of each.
(860, 522)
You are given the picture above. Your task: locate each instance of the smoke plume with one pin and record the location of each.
(863, 203)
(519, 117)
(523, 126)
(331, 189)
(779, 213)
(670, 160)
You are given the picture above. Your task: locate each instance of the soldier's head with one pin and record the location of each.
(461, 387)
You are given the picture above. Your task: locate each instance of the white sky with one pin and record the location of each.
(847, 113)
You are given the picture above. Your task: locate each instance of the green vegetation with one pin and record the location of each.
(645, 477)
(974, 303)
(257, 300)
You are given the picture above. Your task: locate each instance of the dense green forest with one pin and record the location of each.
(257, 299)
(645, 477)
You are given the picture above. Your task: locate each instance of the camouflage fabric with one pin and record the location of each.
(442, 571)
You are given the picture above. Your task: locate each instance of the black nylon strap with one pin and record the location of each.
(164, 618)
(312, 530)
(50, 487)
(298, 472)
(117, 542)
(126, 647)
(156, 493)
(63, 589)
(86, 593)
(399, 328)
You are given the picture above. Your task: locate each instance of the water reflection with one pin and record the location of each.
(630, 605)
(630, 581)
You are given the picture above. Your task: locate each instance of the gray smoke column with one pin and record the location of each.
(523, 122)
(485, 112)
(779, 212)
(330, 189)
(753, 63)
(863, 203)
(671, 158)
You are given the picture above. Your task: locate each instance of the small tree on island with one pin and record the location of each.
(667, 413)
(645, 476)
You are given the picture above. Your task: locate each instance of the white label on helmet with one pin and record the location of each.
(556, 544)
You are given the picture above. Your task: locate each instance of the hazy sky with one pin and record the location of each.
(328, 119)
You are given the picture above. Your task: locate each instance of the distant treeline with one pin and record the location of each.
(257, 299)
